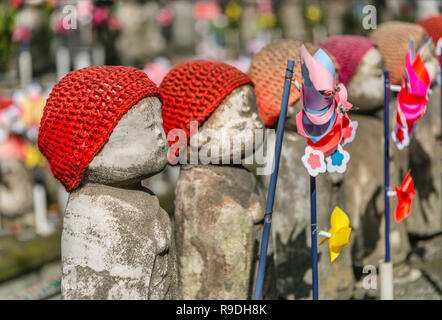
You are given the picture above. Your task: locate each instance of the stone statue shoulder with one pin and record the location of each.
(221, 183)
(99, 219)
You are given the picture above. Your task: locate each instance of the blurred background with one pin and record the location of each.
(41, 41)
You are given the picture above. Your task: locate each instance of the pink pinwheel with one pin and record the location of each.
(412, 99)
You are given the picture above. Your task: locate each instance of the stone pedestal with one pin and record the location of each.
(291, 228)
(117, 244)
(219, 212)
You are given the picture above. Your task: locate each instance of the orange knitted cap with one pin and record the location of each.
(392, 40)
(192, 91)
(267, 71)
(81, 113)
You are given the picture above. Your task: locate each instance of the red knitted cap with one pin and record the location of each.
(81, 112)
(433, 26)
(348, 51)
(192, 91)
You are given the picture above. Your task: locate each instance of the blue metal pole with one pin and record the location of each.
(386, 164)
(273, 180)
(313, 227)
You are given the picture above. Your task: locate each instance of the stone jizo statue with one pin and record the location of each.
(102, 134)
(219, 205)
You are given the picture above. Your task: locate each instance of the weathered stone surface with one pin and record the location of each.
(141, 38)
(136, 149)
(219, 209)
(335, 15)
(424, 158)
(366, 86)
(364, 194)
(291, 228)
(292, 20)
(117, 241)
(228, 135)
(15, 189)
(117, 244)
(184, 36)
(219, 213)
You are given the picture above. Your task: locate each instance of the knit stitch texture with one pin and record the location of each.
(392, 40)
(191, 92)
(348, 50)
(81, 113)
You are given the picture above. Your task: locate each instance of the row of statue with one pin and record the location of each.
(103, 132)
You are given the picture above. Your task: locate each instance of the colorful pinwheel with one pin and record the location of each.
(412, 99)
(339, 234)
(405, 194)
(324, 119)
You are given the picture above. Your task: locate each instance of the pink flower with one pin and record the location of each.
(21, 34)
(114, 23)
(85, 8)
(165, 16)
(206, 10)
(314, 161)
(100, 17)
(16, 4)
(58, 26)
(156, 72)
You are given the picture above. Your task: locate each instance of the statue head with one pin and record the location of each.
(216, 99)
(103, 125)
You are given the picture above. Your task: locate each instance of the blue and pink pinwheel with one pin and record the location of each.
(324, 119)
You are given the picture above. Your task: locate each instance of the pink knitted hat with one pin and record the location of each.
(348, 51)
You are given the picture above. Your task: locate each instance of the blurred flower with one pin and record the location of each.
(242, 63)
(33, 157)
(114, 23)
(267, 20)
(157, 69)
(100, 17)
(13, 148)
(58, 25)
(233, 10)
(165, 16)
(52, 4)
(206, 10)
(16, 4)
(23, 116)
(313, 13)
(85, 9)
(21, 34)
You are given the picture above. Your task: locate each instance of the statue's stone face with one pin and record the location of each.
(231, 127)
(366, 87)
(136, 149)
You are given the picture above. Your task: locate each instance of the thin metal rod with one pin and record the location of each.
(386, 164)
(273, 180)
(313, 227)
(411, 48)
